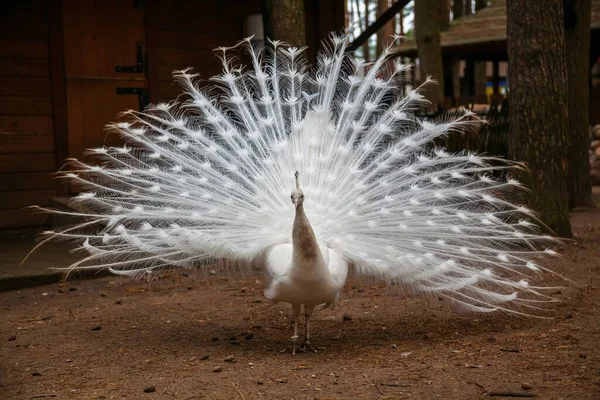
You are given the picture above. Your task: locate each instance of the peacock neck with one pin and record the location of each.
(305, 247)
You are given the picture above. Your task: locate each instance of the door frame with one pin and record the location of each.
(58, 90)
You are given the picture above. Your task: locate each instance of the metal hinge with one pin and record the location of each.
(143, 96)
(140, 62)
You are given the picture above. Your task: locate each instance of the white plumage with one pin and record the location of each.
(210, 178)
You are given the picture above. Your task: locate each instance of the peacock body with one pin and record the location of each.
(210, 177)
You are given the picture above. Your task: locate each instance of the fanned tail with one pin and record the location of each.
(210, 178)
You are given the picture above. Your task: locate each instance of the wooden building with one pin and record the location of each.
(482, 37)
(69, 67)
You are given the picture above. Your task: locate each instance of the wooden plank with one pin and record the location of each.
(165, 72)
(24, 87)
(20, 217)
(87, 121)
(99, 35)
(183, 58)
(38, 162)
(25, 198)
(23, 48)
(58, 88)
(26, 19)
(26, 124)
(27, 180)
(19, 105)
(23, 143)
(24, 67)
(192, 40)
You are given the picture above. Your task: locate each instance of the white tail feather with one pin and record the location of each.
(209, 178)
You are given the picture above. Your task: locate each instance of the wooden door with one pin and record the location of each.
(104, 45)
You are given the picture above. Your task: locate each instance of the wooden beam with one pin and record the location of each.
(58, 88)
(496, 78)
(378, 24)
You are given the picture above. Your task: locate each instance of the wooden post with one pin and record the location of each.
(56, 59)
(496, 77)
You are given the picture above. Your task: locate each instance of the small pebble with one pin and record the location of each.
(97, 328)
(190, 288)
(347, 317)
(249, 336)
(119, 302)
(281, 380)
(234, 342)
(360, 290)
(72, 289)
(150, 389)
(205, 357)
(217, 369)
(260, 382)
(526, 386)
(12, 337)
(582, 355)
(102, 294)
(36, 374)
(229, 359)
(395, 346)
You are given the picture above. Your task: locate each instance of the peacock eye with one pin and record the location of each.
(302, 196)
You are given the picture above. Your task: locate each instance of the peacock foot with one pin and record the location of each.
(307, 347)
(293, 347)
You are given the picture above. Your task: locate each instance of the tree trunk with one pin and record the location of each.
(284, 20)
(577, 40)
(385, 34)
(444, 14)
(366, 50)
(538, 106)
(458, 8)
(427, 34)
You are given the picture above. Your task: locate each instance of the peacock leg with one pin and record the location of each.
(292, 347)
(308, 310)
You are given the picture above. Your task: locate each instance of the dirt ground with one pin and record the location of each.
(115, 338)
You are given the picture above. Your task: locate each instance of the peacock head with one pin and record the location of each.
(297, 194)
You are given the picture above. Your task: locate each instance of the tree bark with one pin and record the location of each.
(577, 40)
(538, 106)
(427, 34)
(385, 34)
(284, 20)
(366, 49)
(468, 7)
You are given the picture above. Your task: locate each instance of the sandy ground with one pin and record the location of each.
(115, 338)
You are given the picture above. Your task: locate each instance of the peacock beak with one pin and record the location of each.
(296, 203)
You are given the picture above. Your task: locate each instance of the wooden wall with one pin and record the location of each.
(27, 156)
(184, 34)
(33, 112)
